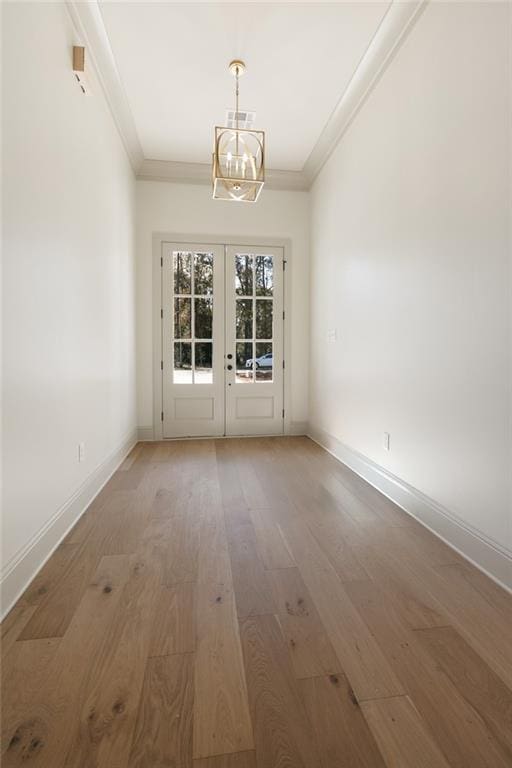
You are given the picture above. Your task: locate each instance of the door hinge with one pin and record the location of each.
(284, 265)
(162, 314)
(161, 365)
(283, 363)
(283, 413)
(161, 261)
(283, 314)
(162, 416)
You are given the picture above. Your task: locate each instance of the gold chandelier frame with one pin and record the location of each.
(238, 186)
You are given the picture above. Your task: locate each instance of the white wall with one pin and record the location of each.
(411, 263)
(189, 208)
(69, 304)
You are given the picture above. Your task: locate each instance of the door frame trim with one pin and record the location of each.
(179, 237)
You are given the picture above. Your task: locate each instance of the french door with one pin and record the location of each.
(222, 340)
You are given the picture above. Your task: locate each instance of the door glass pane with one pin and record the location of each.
(203, 373)
(264, 274)
(264, 362)
(182, 272)
(264, 318)
(203, 318)
(203, 274)
(243, 274)
(182, 318)
(244, 318)
(182, 363)
(244, 362)
(193, 317)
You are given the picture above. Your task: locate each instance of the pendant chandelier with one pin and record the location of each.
(238, 171)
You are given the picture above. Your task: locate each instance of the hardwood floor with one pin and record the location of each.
(254, 604)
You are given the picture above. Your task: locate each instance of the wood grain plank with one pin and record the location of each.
(282, 732)
(309, 647)
(197, 487)
(388, 512)
(269, 541)
(415, 606)
(328, 531)
(25, 660)
(43, 728)
(222, 723)
(253, 590)
(53, 615)
(163, 732)
(460, 732)
(121, 531)
(485, 629)
(181, 545)
(401, 735)
(233, 498)
(24, 672)
(342, 735)
(358, 653)
(131, 458)
(494, 594)
(14, 624)
(360, 510)
(438, 552)
(269, 471)
(253, 490)
(474, 680)
(108, 710)
(174, 627)
(163, 451)
(50, 574)
(234, 760)
(85, 524)
(358, 498)
(370, 578)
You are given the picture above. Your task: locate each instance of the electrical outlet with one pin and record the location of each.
(385, 440)
(81, 452)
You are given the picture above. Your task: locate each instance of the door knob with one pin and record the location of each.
(230, 367)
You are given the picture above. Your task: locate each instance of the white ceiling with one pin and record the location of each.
(172, 60)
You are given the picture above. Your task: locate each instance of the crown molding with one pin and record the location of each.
(89, 26)
(201, 173)
(391, 32)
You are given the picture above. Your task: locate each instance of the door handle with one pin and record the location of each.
(230, 367)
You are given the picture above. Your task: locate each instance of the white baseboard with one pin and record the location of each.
(146, 434)
(486, 555)
(28, 561)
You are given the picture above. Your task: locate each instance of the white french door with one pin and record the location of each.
(254, 341)
(222, 340)
(192, 334)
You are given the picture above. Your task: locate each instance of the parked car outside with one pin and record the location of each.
(265, 361)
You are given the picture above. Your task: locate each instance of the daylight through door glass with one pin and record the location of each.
(193, 317)
(254, 317)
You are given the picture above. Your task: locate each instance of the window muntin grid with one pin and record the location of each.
(193, 300)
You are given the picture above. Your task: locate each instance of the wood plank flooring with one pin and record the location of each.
(251, 603)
